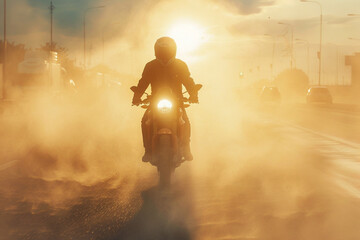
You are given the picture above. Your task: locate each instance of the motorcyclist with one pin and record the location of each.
(166, 71)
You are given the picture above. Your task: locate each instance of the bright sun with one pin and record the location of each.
(187, 35)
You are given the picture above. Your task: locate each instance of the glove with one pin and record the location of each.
(193, 98)
(136, 100)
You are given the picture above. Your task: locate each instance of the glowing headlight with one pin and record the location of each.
(164, 105)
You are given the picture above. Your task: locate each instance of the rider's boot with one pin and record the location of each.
(186, 152)
(147, 156)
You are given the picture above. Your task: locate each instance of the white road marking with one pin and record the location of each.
(332, 138)
(344, 154)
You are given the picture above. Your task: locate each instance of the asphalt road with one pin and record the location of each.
(283, 179)
(338, 120)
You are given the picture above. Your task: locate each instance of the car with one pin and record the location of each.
(319, 95)
(270, 94)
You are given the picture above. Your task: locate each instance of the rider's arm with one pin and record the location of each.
(189, 84)
(144, 81)
(187, 81)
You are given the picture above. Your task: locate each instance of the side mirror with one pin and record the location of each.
(198, 87)
(134, 89)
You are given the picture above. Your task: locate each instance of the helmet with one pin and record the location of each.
(165, 49)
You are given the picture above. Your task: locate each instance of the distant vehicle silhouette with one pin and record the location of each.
(270, 94)
(319, 95)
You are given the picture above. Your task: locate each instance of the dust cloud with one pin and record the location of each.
(84, 138)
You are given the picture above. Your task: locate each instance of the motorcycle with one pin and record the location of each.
(166, 125)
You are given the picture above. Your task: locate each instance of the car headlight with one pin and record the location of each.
(164, 105)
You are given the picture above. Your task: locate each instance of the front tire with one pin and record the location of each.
(165, 156)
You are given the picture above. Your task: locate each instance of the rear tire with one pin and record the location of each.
(165, 156)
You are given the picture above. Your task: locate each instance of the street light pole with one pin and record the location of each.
(84, 33)
(321, 26)
(308, 56)
(5, 56)
(84, 23)
(52, 7)
(103, 46)
(291, 44)
(350, 38)
(273, 54)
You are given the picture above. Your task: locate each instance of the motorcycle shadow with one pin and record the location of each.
(165, 214)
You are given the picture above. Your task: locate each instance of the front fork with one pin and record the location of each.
(174, 141)
(175, 129)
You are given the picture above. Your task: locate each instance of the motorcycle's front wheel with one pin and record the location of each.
(165, 156)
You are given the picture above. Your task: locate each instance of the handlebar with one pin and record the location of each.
(147, 101)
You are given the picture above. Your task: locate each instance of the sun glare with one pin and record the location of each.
(187, 35)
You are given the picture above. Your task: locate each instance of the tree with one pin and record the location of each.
(292, 82)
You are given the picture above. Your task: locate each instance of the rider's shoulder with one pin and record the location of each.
(156, 63)
(180, 63)
(152, 63)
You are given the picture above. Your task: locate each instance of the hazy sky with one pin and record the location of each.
(31, 16)
(240, 25)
